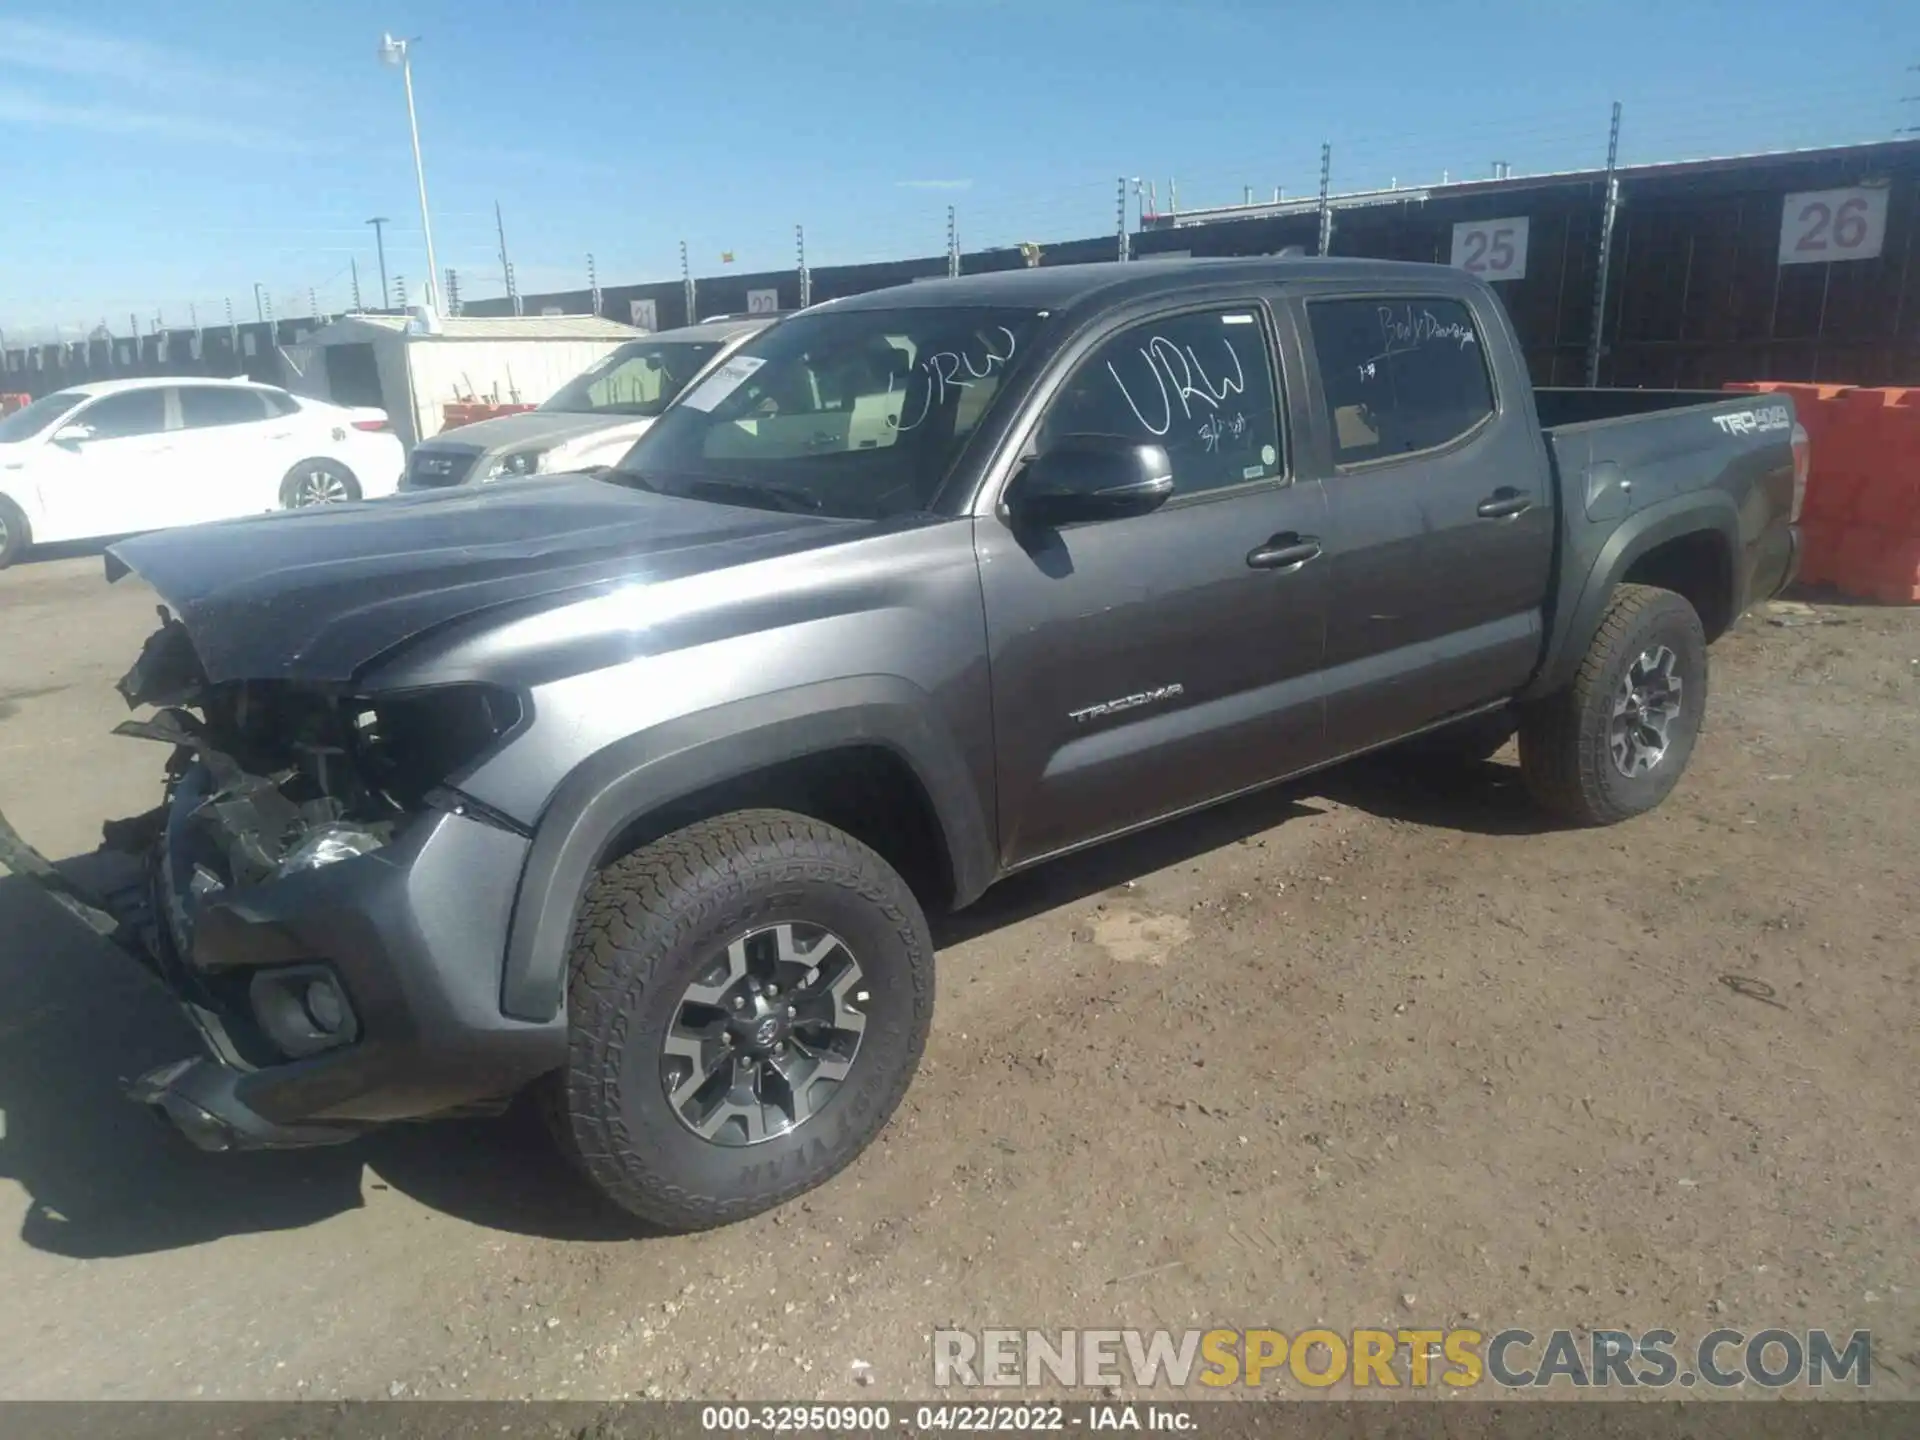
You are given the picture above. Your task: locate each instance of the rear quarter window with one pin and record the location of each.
(1399, 376)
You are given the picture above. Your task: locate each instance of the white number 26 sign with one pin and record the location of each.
(1492, 249)
(1821, 225)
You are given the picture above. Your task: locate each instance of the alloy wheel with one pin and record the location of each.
(765, 1035)
(1644, 709)
(320, 487)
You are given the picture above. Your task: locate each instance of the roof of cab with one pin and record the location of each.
(723, 328)
(1052, 286)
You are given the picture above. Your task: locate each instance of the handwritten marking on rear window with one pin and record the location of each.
(954, 370)
(1403, 328)
(1178, 373)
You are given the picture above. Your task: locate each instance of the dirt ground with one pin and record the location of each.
(1369, 1051)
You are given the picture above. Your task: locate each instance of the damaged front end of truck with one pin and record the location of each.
(298, 899)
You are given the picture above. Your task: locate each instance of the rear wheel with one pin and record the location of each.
(318, 482)
(15, 537)
(748, 999)
(1615, 742)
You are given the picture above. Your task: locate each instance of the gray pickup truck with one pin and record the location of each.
(634, 789)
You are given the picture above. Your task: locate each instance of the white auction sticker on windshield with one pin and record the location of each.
(722, 382)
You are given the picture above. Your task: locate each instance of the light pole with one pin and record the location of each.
(380, 246)
(395, 52)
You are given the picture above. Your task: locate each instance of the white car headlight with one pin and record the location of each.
(514, 464)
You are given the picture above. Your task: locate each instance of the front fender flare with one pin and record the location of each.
(1584, 600)
(608, 792)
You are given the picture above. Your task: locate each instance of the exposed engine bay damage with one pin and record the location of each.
(271, 778)
(266, 779)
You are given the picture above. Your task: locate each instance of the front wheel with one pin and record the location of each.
(748, 1000)
(1615, 742)
(318, 482)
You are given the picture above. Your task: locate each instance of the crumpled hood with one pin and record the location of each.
(316, 595)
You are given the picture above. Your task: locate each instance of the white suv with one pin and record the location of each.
(590, 421)
(129, 455)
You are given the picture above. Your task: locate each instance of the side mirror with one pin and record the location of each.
(1090, 477)
(72, 436)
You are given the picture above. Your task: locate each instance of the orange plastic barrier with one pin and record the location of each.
(456, 413)
(1860, 526)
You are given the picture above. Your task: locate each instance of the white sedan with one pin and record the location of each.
(129, 455)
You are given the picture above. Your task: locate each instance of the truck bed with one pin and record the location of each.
(1629, 463)
(1568, 405)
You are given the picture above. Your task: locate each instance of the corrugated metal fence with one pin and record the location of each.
(1714, 277)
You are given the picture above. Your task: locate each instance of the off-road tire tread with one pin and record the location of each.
(1563, 751)
(632, 919)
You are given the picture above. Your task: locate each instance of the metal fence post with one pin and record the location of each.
(1595, 340)
(1326, 206)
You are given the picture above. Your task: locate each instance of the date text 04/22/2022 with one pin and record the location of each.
(963, 1418)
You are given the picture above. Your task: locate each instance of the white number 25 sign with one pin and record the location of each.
(1821, 225)
(1492, 249)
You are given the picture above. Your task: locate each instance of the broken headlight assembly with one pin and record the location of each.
(327, 845)
(271, 780)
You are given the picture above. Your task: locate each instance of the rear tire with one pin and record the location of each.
(15, 535)
(690, 956)
(1615, 742)
(313, 483)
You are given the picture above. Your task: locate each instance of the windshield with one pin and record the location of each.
(29, 421)
(640, 378)
(857, 413)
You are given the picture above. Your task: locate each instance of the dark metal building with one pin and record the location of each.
(1714, 275)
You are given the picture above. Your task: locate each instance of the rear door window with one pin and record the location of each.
(205, 406)
(1399, 376)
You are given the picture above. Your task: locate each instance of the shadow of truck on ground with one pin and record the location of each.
(79, 1019)
(105, 1177)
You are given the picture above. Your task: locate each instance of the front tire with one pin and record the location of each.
(15, 535)
(1615, 742)
(314, 483)
(748, 999)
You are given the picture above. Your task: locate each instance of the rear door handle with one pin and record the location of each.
(1504, 502)
(1284, 552)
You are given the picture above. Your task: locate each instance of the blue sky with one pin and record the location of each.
(155, 156)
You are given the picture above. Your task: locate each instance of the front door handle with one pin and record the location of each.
(1504, 502)
(1284, 552)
